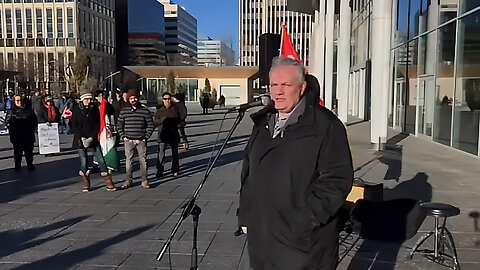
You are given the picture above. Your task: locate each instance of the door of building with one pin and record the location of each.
(425, 107)
(399, 105)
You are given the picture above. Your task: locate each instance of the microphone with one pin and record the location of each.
(263, 101)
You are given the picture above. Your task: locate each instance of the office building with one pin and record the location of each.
(140, 33)
(267, 16)
(41, 38)
(214, 52)
(180, 35)
(422, 77)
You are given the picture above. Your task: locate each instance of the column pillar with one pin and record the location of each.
(343, 60)
(317, 48)
(381, 27)
(329, 28)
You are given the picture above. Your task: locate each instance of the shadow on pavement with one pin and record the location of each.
(48, 175)
(19, 240)
(74, 257)
(376, 252)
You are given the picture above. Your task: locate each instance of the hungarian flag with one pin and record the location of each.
(287, 49)
(107, 141)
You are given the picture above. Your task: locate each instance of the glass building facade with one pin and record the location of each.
(435, 55)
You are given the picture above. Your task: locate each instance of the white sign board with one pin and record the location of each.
(48, 140)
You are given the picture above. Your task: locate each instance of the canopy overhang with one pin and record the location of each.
(200, 72)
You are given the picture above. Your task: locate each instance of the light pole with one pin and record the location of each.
(111, 80)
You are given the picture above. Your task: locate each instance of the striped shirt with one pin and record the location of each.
(135, 124)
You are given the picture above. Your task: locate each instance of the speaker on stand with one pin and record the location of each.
(269, 48)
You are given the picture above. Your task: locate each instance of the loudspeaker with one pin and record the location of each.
(269, 48)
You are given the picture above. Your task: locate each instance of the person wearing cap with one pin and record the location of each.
(49, 113)
(135, 126)
(86, 126)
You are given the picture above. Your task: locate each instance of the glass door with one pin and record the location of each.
(399, 108)
(425, 107)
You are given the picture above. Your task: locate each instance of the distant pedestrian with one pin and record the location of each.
(166, 120)
(221, 101)
(135, 126)
(86, 126)
(60, 104)
(205, 102)
(8, 103)
(37, 103)
(22, 123)
(49, 113)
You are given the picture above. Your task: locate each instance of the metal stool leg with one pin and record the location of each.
(420, 242)
(451, 245)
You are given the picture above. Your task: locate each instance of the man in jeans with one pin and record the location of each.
(135, 126)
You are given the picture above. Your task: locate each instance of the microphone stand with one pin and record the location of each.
(191, 208)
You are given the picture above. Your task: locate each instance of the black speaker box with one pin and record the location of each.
(269, 48)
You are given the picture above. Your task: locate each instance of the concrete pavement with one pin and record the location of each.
(46, 222)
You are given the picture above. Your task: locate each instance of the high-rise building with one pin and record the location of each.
(140, 33)
(267, 16)
(41, 38)
(214, 52)
(180, 35)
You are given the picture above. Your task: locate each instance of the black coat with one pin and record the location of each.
(85, 123)
(167, 120)
(292, 188)
(21, 123)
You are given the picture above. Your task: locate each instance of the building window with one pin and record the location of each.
(70, 22)
(1, 28)
(59, 23)
(8, 23)
(50, 40)
(29, 22)
(18, 20)
(39, 17)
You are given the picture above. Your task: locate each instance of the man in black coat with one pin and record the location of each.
(166, 119)
(22, 123)
(297, 173)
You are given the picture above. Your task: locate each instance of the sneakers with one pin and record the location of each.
(185, 145)
(175, 174)
(145, 184)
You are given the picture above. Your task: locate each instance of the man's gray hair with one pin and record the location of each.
(281, 61)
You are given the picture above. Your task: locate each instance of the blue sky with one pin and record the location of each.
(217, 19)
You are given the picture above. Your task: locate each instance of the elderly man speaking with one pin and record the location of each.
(297, 172)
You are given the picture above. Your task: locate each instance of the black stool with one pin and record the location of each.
(442, 237)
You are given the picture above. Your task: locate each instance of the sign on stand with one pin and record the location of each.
(48, 139)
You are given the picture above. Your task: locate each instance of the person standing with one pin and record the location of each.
(167, 119)
(60, 104)
(49, 113)
(297, 173)
(86, 126)
(37, 103)
(21, 122)
(205, 102)
(135, 126)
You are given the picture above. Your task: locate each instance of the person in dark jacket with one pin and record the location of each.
(297, 173)
(49, 113)
(205, 102)
(86, 126)
(166, 120)
(37, 103)
(135, 126)
(21, 122)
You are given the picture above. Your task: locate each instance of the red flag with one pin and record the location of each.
(286, 48)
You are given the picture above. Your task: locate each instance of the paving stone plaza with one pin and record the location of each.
(46, 222)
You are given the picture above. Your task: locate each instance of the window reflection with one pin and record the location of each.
(444, 84)
(467, 94)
